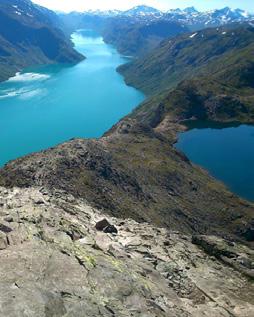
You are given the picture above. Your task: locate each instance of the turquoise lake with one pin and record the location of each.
(45, 106)
(226, 152)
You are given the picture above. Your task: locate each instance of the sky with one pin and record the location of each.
(81, 5)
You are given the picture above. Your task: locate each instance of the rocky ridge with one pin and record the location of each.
(65, 267)
(122, 174)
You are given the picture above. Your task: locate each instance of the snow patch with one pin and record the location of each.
(245, 14)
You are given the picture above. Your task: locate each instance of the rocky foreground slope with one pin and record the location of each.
(54, 262)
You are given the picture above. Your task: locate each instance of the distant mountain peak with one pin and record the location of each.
(191, 10)
(225, 9)
(141, 10)
(109, 13)
(145, 8)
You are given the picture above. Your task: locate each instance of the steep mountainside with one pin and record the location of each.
(224, 55)
(29, 36)
(207, 75)
(134, 37)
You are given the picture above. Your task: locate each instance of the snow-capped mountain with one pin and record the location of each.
(106, 13)
(133, 12)
(196, 20)
(189, 16)
(190, 10)
(142, 11)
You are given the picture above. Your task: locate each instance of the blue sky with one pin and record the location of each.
(81, 5)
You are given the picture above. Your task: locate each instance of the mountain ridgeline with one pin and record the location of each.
(30, 35)
(140, 29)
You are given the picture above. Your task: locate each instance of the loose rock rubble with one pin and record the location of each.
(55, 262)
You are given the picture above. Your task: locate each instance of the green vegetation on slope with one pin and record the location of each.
(29, 36)
(134, 37)
(207, 76)
(212, 52)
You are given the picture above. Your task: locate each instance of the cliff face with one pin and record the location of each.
(29, 36)
(55, 263)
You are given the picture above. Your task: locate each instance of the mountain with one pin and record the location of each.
(210, 52)
(190, 10)
(206, 75)
(132, 32)
(198, 20)
(95, 20)
(137, 36)
(142, 11)
(135, 172)
(37, 41)
(140, 29)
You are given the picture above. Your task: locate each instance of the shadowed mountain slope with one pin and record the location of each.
(29, 36)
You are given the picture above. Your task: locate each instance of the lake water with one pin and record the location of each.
(48, 105)
(226, 152)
